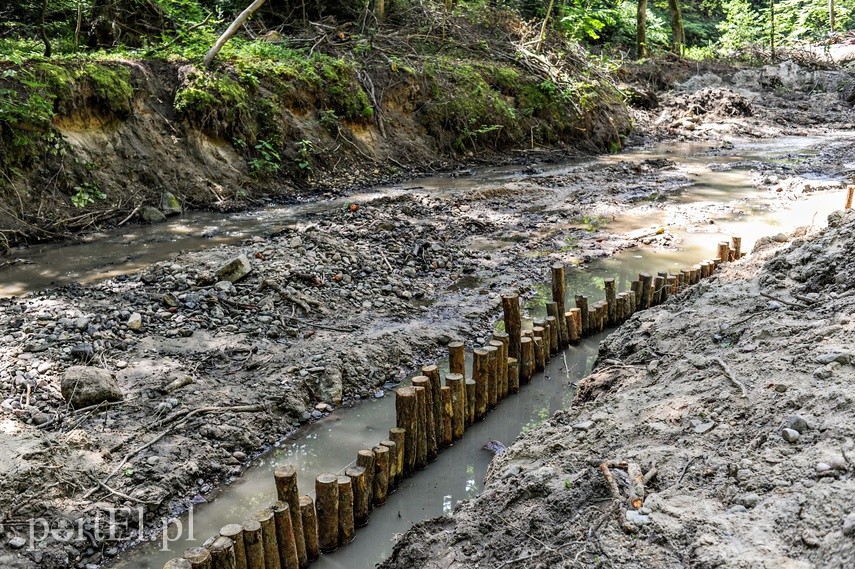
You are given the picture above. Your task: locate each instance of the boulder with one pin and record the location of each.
(152, 215)
(170, 204)
(235, 270)
(83, 386)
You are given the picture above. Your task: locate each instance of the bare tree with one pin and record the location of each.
(232, 29)
(641, 30)
(678, 38)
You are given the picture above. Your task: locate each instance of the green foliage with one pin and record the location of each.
(584, 20)
(86, 194)
(267, 162)
(303, 161)
(742, 25)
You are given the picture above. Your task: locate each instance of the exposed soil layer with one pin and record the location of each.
(341, 304)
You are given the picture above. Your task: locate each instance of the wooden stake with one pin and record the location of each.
(849, 193)
(178, 564)
(223, 553)
(421, 428)
(457, 358)
(285, 536)
(646, 289)
(286, 491)
(310, 527)
(365, 459)
(554, 334)
(381, 474)
(470, 401)
(235, 533)
(406, 416)
(513, 323)
(430, 425)
(326, 508)
(574, 327)
(268, 537)
(658, 288)
(526, 364)
(393, 462)
(723, 251)
(480, 373)
(494, 349)
(737, 247)
(503, 363)
(253, 543)
(513, 376)
(399, 436)
(611, 299)
(582, 305)
(559, 295)
(454, 381)
(432, 373)
(361, 495)
(199, 557)
(539, 351)
(346, 521)
(447, 416)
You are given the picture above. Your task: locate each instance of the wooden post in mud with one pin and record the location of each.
(582, 305)
(559, 295)
(235, 533)
(724, 251)
(479, 374)
(421, 428)
(447, 416)
(470, 401)
(285, 536)
(574, 324)
(502, 363)
(554, 332)
(253, 543)
(399, 436)
(326, 508)
(432, 373)
(670, 285)
(457, 358)
(361, 495)
(646, 286)
(406, 416)
(178, 564)
(492, 367)
(381, 474)
(513, 376)
(365, 459)
(593, 325)
(393, 463)
(494, 387)
(199, 557)
(346, 521)
(526, 360)
(611, 299)
(737, 247)
(658, 288)
(513, 322)
(454, 381)
(268, 538)
(286, 491)
(430, 425)
(849, 194)
(539, 356)
(310, 527)
(223, 553)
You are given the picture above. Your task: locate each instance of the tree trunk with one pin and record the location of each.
(641, 30)
(42, 31)
(772, 28)
(543, 27)
(677, 34)
(831, 15)
(239, 21)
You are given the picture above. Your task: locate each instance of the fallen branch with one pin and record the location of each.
(781, 300)
(731, 376)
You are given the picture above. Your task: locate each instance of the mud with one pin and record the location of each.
(340, 303)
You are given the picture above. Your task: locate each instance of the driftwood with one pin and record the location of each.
(729, 374)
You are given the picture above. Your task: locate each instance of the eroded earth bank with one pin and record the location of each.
(339, 305)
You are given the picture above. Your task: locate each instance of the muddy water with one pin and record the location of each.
(102, 255)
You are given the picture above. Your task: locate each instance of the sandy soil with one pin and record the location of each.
(339, 306)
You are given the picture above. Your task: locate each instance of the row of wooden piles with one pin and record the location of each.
(430, 416)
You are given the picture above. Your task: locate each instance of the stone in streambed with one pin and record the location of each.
(797, 423)
(790, 435)
(152, 215)
(235, 270)
(170, 204)
(83, 386)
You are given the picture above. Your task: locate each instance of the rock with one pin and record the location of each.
(584, 425)
(704, 427)
(83, 352)
(748, 500)
(849, 524)
(790, 435)
(840, 356)
(170, 204)
(83, 386)
(235, 270)
(135, 322)
(796, 423)
(637, 518)
(17, 542)
(152, 215)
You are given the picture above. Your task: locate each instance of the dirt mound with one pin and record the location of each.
(716, 103)
(735, 399)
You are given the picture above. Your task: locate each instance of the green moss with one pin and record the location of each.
(110, 86)
(216, 102)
